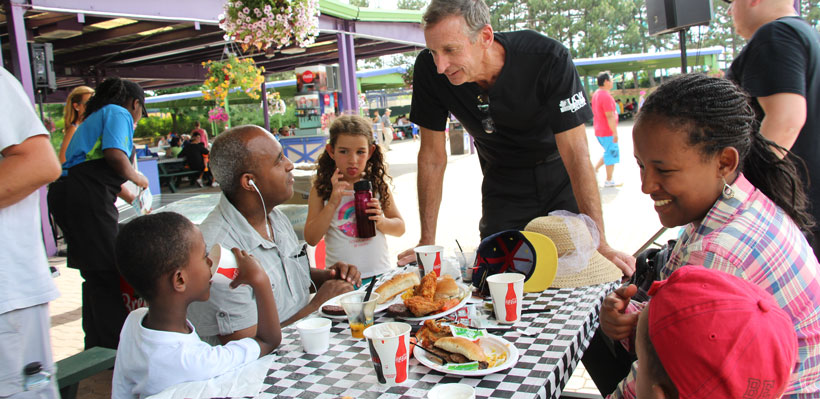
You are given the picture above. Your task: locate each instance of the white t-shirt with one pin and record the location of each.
(25, 279)
(149, 361)
(369, 255)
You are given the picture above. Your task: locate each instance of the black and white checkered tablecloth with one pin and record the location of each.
(546, 360)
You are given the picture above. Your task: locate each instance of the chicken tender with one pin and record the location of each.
(431, 332)
(421, 306)
(427, 288)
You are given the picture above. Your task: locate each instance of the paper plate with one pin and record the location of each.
(465, 296)
(335, 302)
(546, 262)
(491, 344)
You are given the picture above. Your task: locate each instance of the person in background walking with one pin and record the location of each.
(605, 122)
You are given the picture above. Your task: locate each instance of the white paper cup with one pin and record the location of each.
(390, 351)
(466, 260)
(224, 269)
(451, 391)
(507, 291)
(315, 335)
(429, 258)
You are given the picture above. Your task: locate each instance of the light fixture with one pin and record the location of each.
(114, 23)
(293, 50)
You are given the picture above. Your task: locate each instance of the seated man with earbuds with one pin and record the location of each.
(255, 176)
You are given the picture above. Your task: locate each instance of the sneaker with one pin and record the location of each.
(611, 183)
(199, 182)
(214, 184)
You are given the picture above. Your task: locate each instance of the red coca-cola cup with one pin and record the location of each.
(224, 269)
(429, 258)
(390, 350)
(507, 292)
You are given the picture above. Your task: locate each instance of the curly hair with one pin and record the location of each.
(717, 114)
(374, 170)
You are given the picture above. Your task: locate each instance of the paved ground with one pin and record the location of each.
(629, 219)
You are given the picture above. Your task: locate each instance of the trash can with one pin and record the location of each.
(457, 146)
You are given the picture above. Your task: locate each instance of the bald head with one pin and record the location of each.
(234, 153)
(749, 15)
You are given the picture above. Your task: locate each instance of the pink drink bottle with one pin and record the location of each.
(365, 227)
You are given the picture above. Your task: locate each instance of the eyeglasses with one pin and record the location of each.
(484, 108)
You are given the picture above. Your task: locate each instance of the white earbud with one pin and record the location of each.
(253, 184)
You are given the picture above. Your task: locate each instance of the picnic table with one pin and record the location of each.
(547, 357)
(171, 169)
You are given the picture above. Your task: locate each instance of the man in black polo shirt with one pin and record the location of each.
(780, 68)
(519, 96)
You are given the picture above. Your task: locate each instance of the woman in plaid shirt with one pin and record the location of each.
(744, 211)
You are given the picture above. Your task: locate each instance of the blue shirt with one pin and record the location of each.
(112, 126)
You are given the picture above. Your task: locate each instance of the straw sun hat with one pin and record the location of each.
(576, 239)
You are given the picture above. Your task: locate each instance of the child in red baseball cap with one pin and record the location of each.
(709, 334)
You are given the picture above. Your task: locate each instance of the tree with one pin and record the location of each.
(412, 4)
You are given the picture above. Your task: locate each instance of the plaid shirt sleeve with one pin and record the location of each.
(627, 388)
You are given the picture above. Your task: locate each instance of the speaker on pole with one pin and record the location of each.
(667, 16)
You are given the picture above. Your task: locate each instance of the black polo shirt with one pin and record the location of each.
(537, 94)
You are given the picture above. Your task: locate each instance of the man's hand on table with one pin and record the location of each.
(624, 261)
(346, 272)
(330, 289)
(408, 256)
(614, 322)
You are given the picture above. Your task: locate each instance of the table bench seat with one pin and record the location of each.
(72, 370)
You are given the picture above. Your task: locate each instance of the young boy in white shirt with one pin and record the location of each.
(163, 256)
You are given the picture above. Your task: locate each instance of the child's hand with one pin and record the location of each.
(340, 188)
(374, 208)
(250, 272)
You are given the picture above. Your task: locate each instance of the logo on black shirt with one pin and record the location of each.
(574, 103)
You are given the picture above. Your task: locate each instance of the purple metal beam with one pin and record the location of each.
(160, 72)
(396, 32)
(20, 66)
(204, 10)
(265, 106)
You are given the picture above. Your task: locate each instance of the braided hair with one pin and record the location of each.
(374, 170)
(114, 91)
(717, 114)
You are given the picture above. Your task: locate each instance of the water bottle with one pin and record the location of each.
(34, 377)
(365, 227)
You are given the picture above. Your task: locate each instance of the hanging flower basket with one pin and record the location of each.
(270, 23)
(217, 114)
(231, 73)
(276, 106)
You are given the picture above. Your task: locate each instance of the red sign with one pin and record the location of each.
(307, 77)
(401, 361)
(229, 273)
(510, 303)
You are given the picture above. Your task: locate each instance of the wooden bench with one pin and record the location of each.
(72, 370)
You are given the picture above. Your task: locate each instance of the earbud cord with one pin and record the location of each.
(265, 212)
(270, 231)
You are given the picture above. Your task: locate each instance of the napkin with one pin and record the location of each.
(244, 382)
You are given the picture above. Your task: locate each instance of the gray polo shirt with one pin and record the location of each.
(229, 310)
